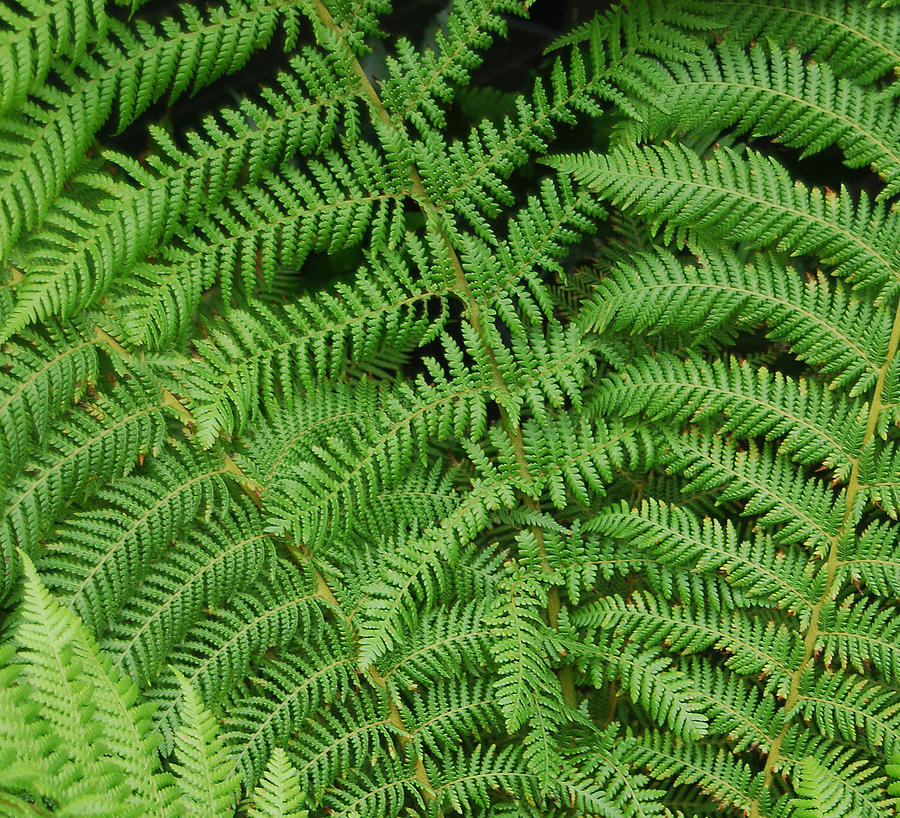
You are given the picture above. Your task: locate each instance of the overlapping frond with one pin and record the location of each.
(782, 95)
(127, 71)
(378, 471)
(749, 198)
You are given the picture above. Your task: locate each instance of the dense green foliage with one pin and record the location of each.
(390, 445)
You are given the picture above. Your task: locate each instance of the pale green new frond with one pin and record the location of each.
(817, 796)
(204, 770)
(525, 687)
(278, 795)
(893, 770)
(30, 759)
(860, 779)
(91, 710)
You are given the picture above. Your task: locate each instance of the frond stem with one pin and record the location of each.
(832, 562)
(434, 220)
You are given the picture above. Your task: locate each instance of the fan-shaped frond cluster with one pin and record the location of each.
(364, 455)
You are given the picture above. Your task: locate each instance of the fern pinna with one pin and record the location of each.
(388, 444)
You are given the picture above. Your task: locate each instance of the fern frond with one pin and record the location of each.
(260, 354)
(204, 770)
(856, 43)
(748, 716)
(862, 635)
(771, 92)
(749, 198)
(415, 570)
(41, 376)
(800, 507)
(525, 687)
(213, 562)
(465, 782)
(283, 694)
(812, 426)
(728, 780)
(450, 713)
(129, 70)
(862, 782)
(872, 560)
(379, 791)
(98, 442)
(663, 692)
(342, 737)
(166, 195)
(277, 795)
(468, 176)
(446, 643)
(755, 647)
(92, 710)
(848, 708)
(217, 652)
(445, 486)
(817, 796)
(35, 33)
(420, 84)
(678, 537)
(654, 293)
(97, 558)
(275, 224)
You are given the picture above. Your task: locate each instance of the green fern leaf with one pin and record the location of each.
(277, 795)
(203, 768)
